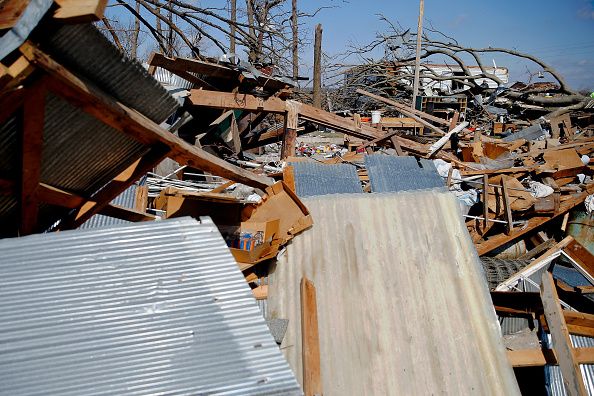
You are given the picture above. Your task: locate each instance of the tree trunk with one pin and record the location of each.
(252, 31)
(295, 49)
(135, 34)
(317, 73)
(232, 26)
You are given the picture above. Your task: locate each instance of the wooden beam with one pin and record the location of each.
(31, 153)
(120, 212)
(192, 66)
(176, 67)
(80, 11)
(230, 100)
(11, 11)
(506, 206)
(485, 197)
(568, 363)
(312, 378)
(532, 224)
(290, 133)
(397, 146)
(100, 105)
(540, 357)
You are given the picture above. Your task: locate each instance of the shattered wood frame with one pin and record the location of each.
(291, 109)
(53, 77)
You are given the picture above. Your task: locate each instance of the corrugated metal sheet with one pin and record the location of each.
(402, 306)
(170, 80)
(80, 153)
(150, 308)
(553, 376)
(127, 199)
(389, 173)
(89, 53)
(313, 179)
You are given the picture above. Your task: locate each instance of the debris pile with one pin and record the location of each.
(260, 244)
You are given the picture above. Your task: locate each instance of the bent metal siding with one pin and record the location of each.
(403, 308)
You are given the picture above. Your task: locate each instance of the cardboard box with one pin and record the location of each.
(263, 242)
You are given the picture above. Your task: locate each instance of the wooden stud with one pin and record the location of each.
(290, 135)
(141, 199)
(312, 379)
(397, 146)
(289, 177)
(31, 153)
(485, 202)
(568, 363)
(506, 207)
(540, 357)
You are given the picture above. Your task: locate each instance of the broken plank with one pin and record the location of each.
(312, 379)
(123, 213)
(540, 357)
(11, 11)
(581, 256)
(80, 11)
(230, 100)
(507, 207)
(106, 109)
(568, 363)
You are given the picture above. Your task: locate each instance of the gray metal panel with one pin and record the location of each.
(8, 146)
(313, 179)
(531, 133)
(402, 306)
(89, 53)
(127, 199)
(157, 308)
(393, 174)
(512, 325)
(80, 153)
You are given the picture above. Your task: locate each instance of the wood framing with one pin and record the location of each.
(581, 256)
(11, 11)
(568, 363)
(31, 142)
(95, 102)
(312, 378)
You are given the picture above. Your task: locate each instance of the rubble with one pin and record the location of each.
(352, 228)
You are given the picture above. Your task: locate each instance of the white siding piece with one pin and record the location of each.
(402, 305)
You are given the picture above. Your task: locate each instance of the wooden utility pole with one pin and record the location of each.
(317, 73)
(418, 57)
(232, 27)
(295, 48)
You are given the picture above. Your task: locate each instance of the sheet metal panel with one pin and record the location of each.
(313, 179)
(392, 174)
(88, 53)
(402, 305)
(531, 133)
(150, 308)
(126, 199)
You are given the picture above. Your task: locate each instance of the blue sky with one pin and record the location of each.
(560, 32)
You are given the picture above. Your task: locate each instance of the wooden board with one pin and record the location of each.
(11, 11)
(80, 11)
(312, 378)
(568, 363)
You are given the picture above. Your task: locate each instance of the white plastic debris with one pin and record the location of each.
(589, 202)
(539, 190)
(255, 198)
(585, 159)
(581, 177)
(443, 168)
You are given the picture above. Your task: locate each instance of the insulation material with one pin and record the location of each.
(403, 308)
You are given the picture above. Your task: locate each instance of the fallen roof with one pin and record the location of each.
(401, 301)
(156, 307)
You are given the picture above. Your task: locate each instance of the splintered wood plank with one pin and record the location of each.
(79, 11)
(312, 379)
(485, 203)
(581, 256)
(568, 362)
(31, 151)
